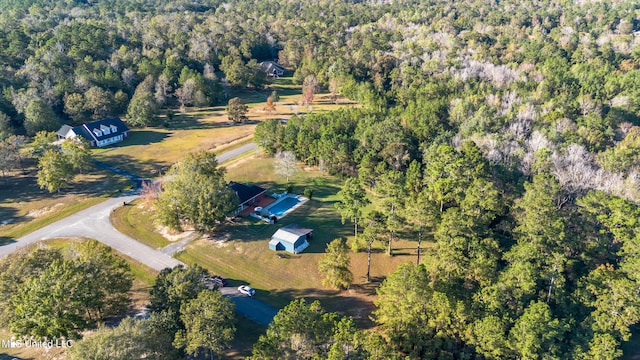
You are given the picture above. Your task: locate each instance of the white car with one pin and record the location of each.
(246, 290)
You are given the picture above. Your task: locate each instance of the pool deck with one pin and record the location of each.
(264, 202)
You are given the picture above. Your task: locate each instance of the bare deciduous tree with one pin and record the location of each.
(310, 87)
(285, 164)
(575, 169)
(185, 93)
(162, 89)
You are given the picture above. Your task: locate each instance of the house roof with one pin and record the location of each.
(121, 128)
(246, 192)
(270, 66)
(64, 130)
(290, 233)
(86, 130)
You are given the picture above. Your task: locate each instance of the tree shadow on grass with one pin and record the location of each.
(369, 288)
(21, 187)
(8, 215)
(196, 119)
(5, 240)
(143, 137)
(142, 168)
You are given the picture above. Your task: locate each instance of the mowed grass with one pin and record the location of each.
(244, 256)
(136, 220)
(24, 207)
(150, 152)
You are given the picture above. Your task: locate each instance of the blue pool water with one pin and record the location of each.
(284, 205)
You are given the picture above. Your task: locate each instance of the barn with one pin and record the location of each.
(292, 238)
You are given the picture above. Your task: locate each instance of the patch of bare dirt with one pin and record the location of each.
(36, 213)
(173, 235)
(240, 161)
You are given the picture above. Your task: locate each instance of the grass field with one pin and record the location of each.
(24, 207)
(150, 152)
(136, 221)
(244, 256)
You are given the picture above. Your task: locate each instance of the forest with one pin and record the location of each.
(503, 133)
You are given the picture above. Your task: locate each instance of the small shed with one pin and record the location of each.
(292, 238)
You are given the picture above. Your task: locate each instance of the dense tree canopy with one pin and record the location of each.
(195, 192)
(504, 132)
(48, 295)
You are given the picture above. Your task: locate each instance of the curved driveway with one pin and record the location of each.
(94, 223)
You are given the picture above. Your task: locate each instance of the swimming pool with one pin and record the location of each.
(279, 208)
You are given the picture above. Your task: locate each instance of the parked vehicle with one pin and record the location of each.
(246, 290)
(213, 282)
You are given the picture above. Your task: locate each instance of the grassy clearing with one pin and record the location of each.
(150, 152)
(24, 207)
(136, 221)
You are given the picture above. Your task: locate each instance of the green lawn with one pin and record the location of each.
(136, 220)
(26, 208)
(150, 152)
(245, 257)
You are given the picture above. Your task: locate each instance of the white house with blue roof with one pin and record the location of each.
(98, 133)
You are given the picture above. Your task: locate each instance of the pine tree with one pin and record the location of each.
(334, 265)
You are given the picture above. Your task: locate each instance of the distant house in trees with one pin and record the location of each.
(98, 133)
(247, 194)
(272, 68)
(292, 238)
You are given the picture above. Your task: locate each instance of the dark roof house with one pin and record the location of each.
(272, 68)
(292, 238)
(247, 193)
(98, 133)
